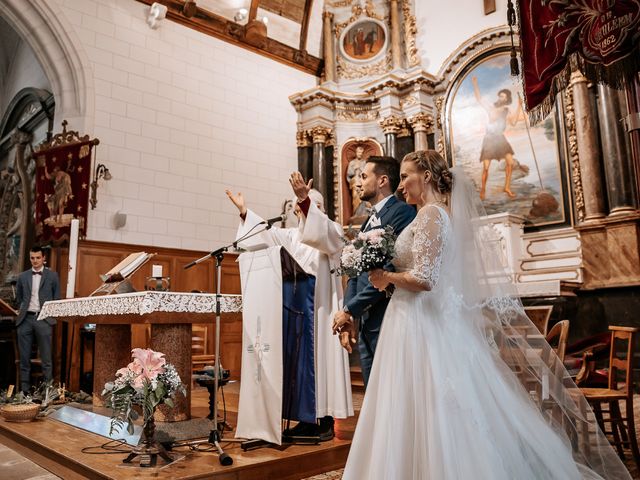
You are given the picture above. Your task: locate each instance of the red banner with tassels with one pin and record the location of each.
(599, 37)
(62, 189)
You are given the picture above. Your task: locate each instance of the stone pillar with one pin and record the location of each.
(390, 127)
(174, 340)
(618, 166)
(588, 151)
(328, 53)
(421, 123)
(396, 59)
(112, 352)
(305, 158)
(319, 135)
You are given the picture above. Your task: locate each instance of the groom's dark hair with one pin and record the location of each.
(386, 166)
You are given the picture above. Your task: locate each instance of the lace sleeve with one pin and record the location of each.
(428, 242)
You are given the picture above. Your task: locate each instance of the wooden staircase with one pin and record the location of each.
(357, 383)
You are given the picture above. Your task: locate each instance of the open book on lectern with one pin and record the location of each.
(116, 279)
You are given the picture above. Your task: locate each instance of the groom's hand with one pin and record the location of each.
(340, 319)
(348, 337)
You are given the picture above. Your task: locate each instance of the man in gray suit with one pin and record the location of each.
(35, 286)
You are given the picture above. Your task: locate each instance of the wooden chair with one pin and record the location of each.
(559, 331)
(199, 348)
(540, 315)
(623, 430)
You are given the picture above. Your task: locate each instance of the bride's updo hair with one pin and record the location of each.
(432, 161)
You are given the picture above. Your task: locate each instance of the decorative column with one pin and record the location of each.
(421, 123)
(390, 127)
(320, 169)
(305, 157)
(395, 35)
(618, 166)
(632, 125)
(587, 141)
(329, 58)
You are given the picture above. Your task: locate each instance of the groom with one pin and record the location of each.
(379, 180)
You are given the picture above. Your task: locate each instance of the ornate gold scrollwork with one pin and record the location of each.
(349, 71)
(410, 32)
(574, 158)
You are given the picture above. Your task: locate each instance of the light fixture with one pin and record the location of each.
(265, 20)
(101, 171)
(241, 15)
(157, 12)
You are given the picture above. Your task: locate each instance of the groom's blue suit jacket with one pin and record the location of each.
(361, 298)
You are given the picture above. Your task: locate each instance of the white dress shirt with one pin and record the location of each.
(374, 219)
(34, 302)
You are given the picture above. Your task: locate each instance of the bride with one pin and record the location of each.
(461, 387)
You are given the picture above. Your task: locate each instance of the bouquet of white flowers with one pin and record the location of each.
(147, 381)
(367, 251)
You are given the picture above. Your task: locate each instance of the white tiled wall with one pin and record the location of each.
(180, 116)
(441, 31)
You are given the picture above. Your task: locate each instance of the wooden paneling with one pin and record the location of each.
(96, 257)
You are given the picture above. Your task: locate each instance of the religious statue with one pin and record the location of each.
(354, 168)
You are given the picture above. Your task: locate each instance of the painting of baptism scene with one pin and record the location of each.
(511, 162)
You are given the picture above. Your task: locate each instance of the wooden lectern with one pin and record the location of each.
(7, 310)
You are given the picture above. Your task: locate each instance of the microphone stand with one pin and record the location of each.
(215, 436)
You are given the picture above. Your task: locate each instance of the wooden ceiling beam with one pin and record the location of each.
(253, 10)
(304, 28)
(217, 26)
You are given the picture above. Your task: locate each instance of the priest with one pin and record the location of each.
(315, 245)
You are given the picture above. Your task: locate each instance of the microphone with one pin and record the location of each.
(280, 218)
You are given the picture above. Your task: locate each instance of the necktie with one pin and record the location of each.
(36, 273)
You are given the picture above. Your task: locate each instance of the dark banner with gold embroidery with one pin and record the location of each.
(62, 190)
(600, 37)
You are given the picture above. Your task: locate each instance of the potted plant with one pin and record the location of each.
(147, 381)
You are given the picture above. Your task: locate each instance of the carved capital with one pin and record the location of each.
(320, 134)
(422, 122)
(302, 139)
(327, 16)
(577, 77)
(390, 124)
(404, 130)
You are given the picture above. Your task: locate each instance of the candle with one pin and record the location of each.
(156, 271)
(73, 257)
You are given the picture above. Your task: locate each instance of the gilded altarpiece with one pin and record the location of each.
(374, 99)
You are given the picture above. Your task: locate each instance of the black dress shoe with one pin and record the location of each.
(326, 431)
(302, 429)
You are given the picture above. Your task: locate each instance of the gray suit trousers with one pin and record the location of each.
(43, 332)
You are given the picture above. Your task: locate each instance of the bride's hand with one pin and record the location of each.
(378, 279)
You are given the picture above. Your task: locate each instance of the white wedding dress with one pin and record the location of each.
(440, 403)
